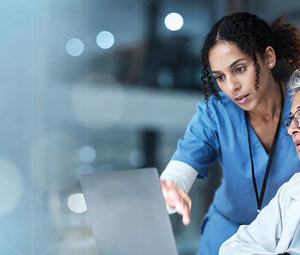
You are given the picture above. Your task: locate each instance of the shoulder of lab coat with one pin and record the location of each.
(272, 230)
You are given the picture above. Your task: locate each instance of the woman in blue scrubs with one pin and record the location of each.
(239, 126)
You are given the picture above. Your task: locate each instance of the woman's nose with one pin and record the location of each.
(233, 84)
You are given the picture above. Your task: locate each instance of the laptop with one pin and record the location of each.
(128, 213)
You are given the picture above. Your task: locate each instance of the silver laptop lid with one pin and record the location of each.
(127, 212)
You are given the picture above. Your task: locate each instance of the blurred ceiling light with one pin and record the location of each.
(105, 40)
(174, 21)
(87, 154)
(76, 203)
(74, 47)
(11, 185)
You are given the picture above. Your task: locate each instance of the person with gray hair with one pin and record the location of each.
(294, 84)
(276, 230)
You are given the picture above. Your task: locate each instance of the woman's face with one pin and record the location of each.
(236, 75)
(293, 130)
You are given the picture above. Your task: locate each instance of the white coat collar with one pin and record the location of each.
(294, 190)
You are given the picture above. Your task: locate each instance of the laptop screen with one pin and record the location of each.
(128, 213)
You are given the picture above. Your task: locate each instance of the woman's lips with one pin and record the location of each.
(241, 99)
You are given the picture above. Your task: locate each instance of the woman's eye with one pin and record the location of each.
(219, 78)
(240, 69)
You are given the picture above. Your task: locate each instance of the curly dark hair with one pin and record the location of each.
(252, 36)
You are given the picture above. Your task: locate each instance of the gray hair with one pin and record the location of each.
(294, 83)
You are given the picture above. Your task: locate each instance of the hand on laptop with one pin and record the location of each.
(178, 199)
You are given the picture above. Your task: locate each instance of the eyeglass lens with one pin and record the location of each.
(297, 118)
(287, 122)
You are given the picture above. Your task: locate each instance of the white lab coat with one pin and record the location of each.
(273, 229)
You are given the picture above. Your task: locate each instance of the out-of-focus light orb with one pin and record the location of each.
(11, 186)
(76, 203)
(105, 40)
(74, 47)
(87, 154)
(174, 21)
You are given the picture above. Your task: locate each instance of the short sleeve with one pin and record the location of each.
(199, 147)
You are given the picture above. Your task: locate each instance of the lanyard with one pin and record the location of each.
(259, 199)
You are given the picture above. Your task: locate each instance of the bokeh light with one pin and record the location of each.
(76, 203)
(105, 40)
(174, 21)
(87, 154)
(74, 47)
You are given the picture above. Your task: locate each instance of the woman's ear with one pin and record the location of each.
(270, 57)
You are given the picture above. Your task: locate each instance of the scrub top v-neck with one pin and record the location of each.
(218, 132)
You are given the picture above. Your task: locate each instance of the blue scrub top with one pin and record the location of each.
(218, 132)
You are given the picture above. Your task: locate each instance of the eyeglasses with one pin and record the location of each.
(287, 121)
